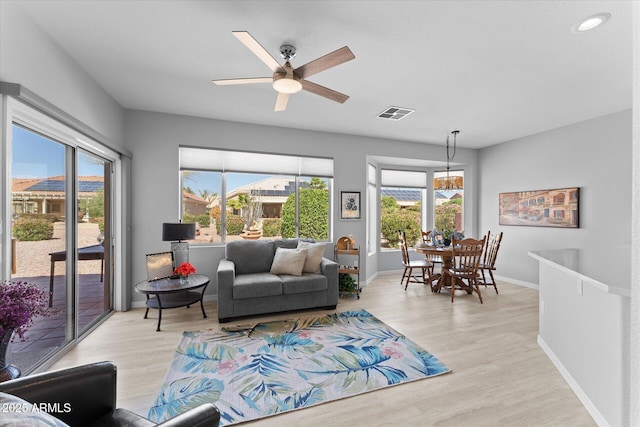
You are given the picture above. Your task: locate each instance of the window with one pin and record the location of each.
(201, 195)
(372, 210)
(402, 196)
(449, 202)
(234, 195)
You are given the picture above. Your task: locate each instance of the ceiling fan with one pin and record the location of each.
(287, 80)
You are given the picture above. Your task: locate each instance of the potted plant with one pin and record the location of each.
(20, 303)
(446, 236)
(346, 284)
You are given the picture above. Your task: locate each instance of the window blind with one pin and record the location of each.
(192, 158)
(397, 178)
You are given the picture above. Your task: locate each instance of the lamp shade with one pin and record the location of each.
(172, 232)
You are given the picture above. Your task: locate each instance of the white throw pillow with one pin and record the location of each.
(288, 261)
(315, 251)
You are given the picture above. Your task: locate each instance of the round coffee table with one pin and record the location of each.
(170, 293)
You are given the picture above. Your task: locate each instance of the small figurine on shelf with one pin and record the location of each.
(352, 242)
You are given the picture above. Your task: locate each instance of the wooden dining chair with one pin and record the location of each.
(425, 267)
(426, 239)
(463, 273)
(488, 263)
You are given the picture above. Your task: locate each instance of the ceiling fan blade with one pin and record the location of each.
(324, 91)
(255, 47)
(223, 82)
(281, 101)
(329, 60)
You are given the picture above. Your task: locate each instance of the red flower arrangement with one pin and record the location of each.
(185, 269)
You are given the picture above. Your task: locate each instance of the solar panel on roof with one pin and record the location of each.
(90, 186)
(402, 194)
(47, 185)
(58, 185)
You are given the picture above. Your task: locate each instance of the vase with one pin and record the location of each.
(446, 242)
(184, 279)
(7, 372)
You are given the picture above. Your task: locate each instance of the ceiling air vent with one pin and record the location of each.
(395, 113)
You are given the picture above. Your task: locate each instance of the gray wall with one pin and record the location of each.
(153, 138)
(31, 59)
(594, 155)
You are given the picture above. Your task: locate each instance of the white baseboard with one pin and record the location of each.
(517, 282)
(582, 396)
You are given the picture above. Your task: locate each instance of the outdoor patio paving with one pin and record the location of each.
(47, 334)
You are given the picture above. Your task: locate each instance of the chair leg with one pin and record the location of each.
(453, 288)
(428, 278)
(476, 287)
(484, 280)
(408, 278)
(493, 281)
(403, 274)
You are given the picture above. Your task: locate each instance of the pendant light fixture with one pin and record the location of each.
(449, 182)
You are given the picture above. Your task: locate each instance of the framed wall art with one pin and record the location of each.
(349, 205)
(541, 208)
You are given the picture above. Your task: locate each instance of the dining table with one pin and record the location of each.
(445, 253)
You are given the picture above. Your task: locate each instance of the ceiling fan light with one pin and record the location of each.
(287, 85)
(592, 22)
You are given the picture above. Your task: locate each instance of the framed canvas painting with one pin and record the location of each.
(349, 205)
(541, 208)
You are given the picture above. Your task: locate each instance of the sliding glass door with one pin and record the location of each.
(94, 235)
(60, 238)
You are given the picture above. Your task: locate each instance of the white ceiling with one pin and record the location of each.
(496, 70)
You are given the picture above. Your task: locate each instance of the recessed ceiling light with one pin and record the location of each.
(592, 22)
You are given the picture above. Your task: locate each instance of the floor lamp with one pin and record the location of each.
(176, 233)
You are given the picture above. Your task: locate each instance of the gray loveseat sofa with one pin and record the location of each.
(246, 285)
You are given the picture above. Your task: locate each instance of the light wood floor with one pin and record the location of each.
(500, 376)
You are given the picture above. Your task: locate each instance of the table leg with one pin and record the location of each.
(444, 280)
(147, 311)
(159, 312)
(53, 265)
(204, 315)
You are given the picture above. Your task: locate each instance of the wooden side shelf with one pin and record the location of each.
(349, 263)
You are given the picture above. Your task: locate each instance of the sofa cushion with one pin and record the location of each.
(315, 251)
(18, 412)
(256, 285)
(285, 243)
(250, 256)
(289, 261)
(308, 282)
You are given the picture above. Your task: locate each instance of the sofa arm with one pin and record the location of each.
(82, 393)
(330, 269)
(205, 415)
(226, 279)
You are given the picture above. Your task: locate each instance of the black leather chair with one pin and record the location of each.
(86, 396)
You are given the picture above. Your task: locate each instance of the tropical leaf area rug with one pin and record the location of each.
(259, 370)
